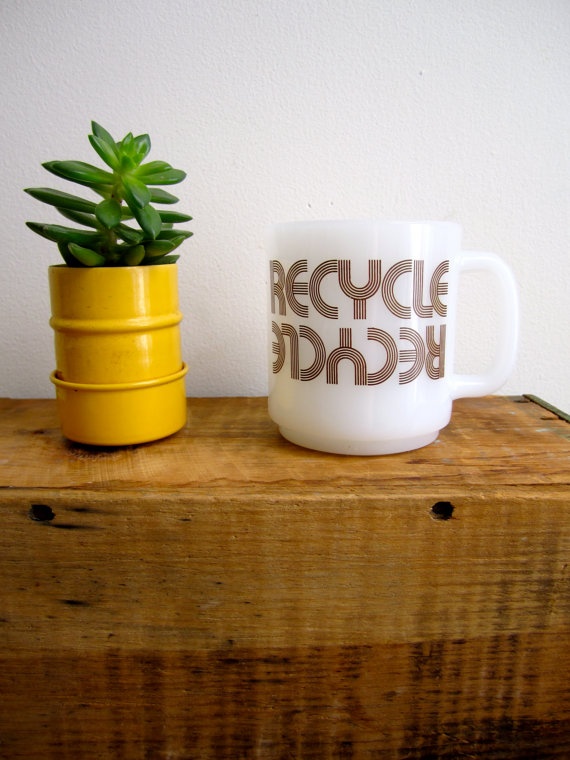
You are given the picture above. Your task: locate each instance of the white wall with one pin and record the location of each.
(283, 109)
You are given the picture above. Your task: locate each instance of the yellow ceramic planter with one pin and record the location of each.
(119, 374)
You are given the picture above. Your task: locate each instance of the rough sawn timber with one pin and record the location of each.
(225, 594)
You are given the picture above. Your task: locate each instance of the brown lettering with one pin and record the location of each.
(359, 295)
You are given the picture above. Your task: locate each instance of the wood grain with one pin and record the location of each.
(225, 594)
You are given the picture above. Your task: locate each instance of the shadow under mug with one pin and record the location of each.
(363, 332)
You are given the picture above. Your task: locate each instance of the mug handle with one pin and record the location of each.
(463, 386)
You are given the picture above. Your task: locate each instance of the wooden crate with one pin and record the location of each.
(226, 594)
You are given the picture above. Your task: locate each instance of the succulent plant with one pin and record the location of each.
(127, 190)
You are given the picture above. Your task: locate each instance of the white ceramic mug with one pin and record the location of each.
(363, 331)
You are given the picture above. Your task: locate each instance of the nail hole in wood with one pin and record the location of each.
(442, 510)
(41, 513)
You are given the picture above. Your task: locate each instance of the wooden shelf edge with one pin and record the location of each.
(546, 405)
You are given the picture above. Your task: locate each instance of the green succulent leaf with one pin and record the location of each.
(174, 217)
(61, 199)
(175, 241)
(162, 260)
(134, 256)
(86, 256)
(102, 133)
(80, 172)
(60, 234)
(108, 212)
(149, 219)
(152, 167)
(158, 248)
(127, 164)
(137, 193)
(167, 177)
(129, 235)
(88, 220)
(69, 259)
(109, 153)
(158, 195)
(173, 234)
(142, 147)
(128, 144)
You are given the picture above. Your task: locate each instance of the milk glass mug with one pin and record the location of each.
(363, 332)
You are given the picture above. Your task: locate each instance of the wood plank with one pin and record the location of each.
(479, 698)
(129, 568)
(233, 443)
(225, 594)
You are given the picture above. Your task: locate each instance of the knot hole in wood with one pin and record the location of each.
(442, 510)
(41, 513)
